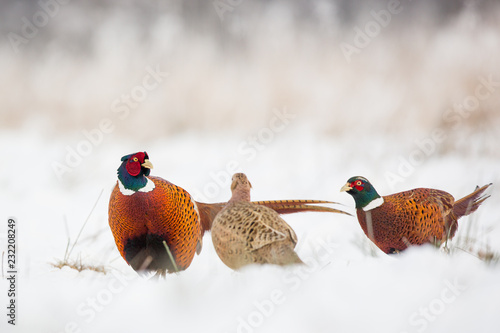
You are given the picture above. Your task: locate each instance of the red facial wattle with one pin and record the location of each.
(359, 186)
(134, 164)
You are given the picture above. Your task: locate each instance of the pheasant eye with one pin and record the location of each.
(358, 183)
(135, 159)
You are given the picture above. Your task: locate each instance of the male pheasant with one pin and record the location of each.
(244, 233)
(154, 222)
(158, 227)
(413, 217)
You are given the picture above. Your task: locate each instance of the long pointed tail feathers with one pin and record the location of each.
(209, 211)
(470, 203)
(298, 206)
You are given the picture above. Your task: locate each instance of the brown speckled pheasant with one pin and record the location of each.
(244, 233)
(414, 217)
(157, 225)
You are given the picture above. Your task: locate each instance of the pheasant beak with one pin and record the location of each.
(147, 164)
(346, 187)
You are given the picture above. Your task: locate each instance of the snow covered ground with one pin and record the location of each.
(267, 91)
(348, 286)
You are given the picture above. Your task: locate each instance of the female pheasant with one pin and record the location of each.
(244, 233)
(414, 217)
(157, 226)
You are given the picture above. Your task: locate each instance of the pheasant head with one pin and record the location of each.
(240, 188)
(362, 191)
(133, 171)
